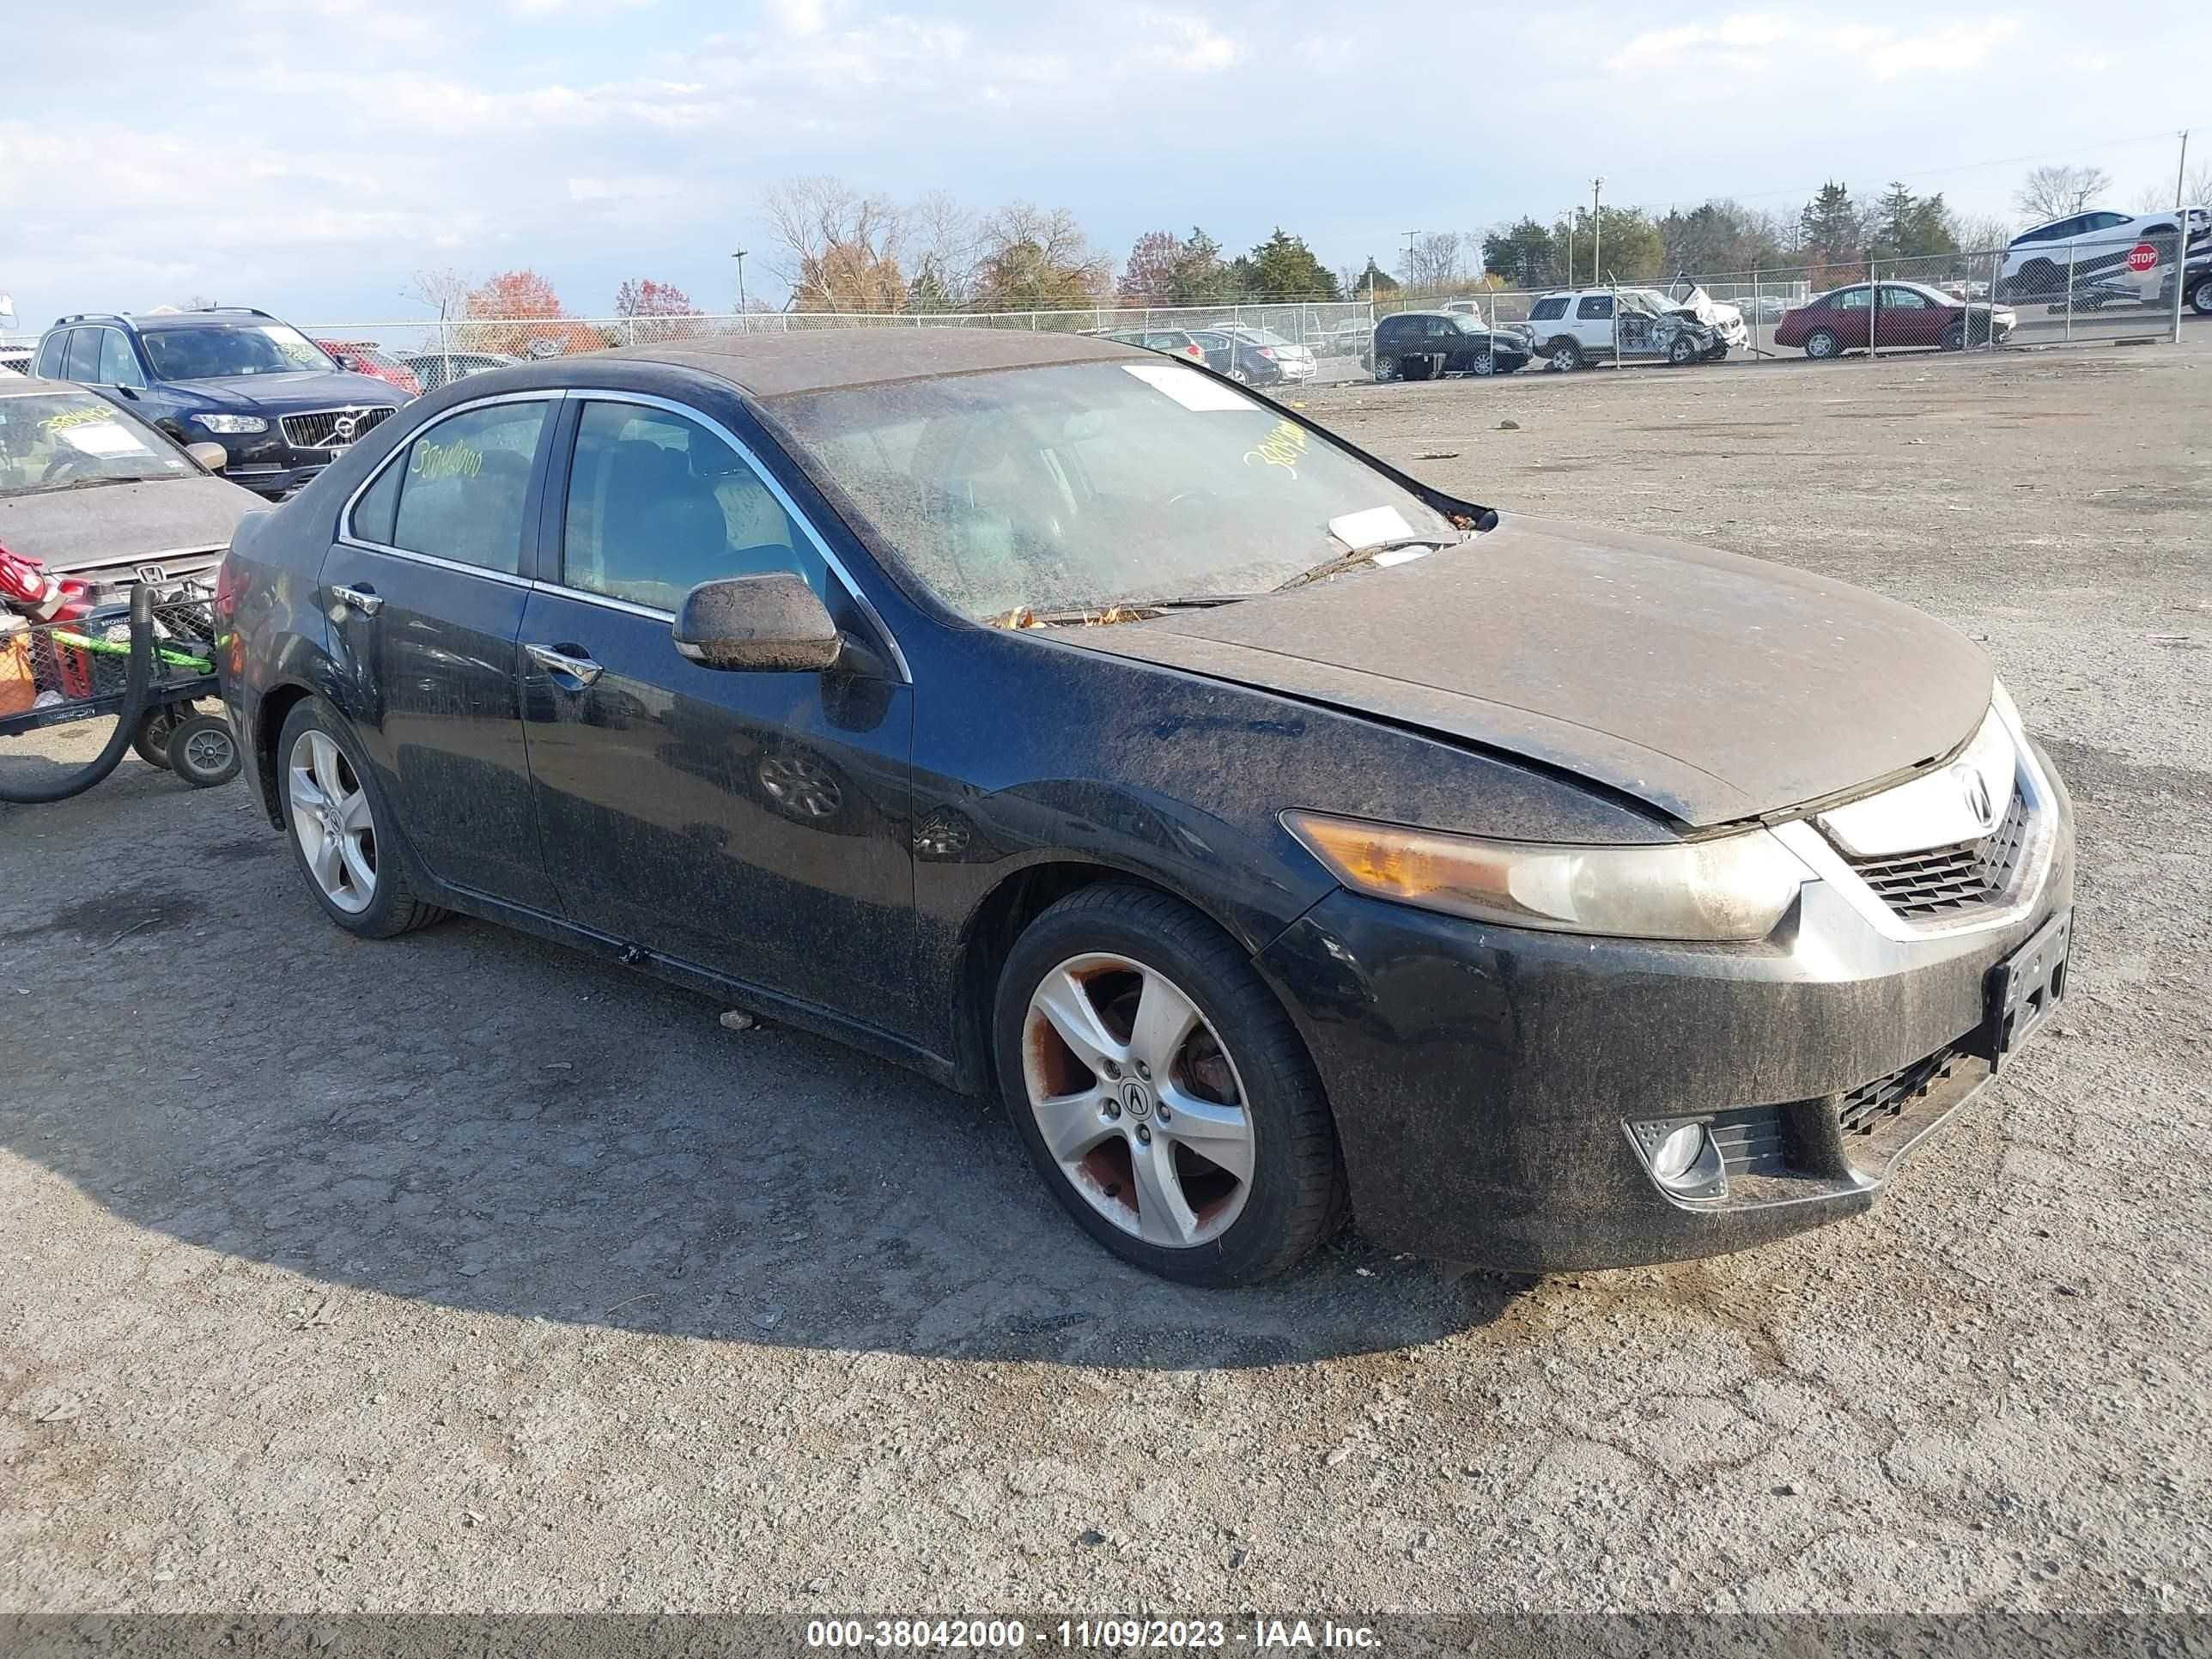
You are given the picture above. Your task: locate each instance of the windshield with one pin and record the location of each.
(1647, 299)
(209, 353)
(1083, 484)
(53, 440)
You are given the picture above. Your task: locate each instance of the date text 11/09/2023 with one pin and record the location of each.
(1088, 1635)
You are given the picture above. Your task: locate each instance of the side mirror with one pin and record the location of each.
(771, 623)
(214, 457)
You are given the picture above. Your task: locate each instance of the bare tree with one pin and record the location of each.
(946, 245)
(1979, 233)
(446, 292)
(841, 248)
(1434, 260)
(2052, 192)
(1037, 257)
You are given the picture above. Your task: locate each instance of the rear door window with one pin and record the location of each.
(467, 482)
(1597, 306)
(117, 365)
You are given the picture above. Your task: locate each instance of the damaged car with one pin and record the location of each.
(1279, 837)
(1579, 328)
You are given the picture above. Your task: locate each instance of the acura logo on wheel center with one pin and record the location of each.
(1136, 1099)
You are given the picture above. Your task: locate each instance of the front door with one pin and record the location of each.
(1909, 317)
(753, 824)
(425, 597)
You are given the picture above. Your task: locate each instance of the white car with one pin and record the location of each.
(2100, 253)
(1576, 327)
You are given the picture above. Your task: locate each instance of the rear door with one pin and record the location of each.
(753, 824)
(425, 593)
(1593, 324)
(1851, 315)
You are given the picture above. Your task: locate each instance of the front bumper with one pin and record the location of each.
(1485, 1079)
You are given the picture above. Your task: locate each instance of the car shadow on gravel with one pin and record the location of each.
(470, 1119)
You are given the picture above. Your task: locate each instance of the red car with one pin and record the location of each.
(1907, 315)
(367, 357)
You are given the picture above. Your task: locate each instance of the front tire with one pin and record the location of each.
(2200, 297)
(340, 828)
(1683, 352)
(1161, 1091)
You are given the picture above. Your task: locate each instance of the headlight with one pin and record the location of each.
(231, 423)
(1732, 888)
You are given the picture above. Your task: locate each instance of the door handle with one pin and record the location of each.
(569, 661)
(363, 600)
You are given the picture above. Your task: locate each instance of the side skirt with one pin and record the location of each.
(770, 1005)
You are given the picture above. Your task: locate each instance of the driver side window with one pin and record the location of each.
(657, 503)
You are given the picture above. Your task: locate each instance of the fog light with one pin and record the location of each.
(1677, 1153)
(1683, 1157)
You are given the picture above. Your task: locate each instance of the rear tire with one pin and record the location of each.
(389, 907)
(1564, 357)
(1824, 344)
(1231, 1053)
(2200, 297)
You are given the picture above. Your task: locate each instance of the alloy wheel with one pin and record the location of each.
(1137, 1100)
(332, 822)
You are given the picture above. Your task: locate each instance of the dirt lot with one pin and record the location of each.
(461, 1272)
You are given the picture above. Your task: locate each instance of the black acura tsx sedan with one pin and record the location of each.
(1279, 836)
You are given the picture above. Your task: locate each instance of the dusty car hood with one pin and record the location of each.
(119, 524)
(291, 392)
(1712, 687)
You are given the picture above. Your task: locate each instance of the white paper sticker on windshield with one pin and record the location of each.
(1371, 528)
(105, 438)
(1189, 387)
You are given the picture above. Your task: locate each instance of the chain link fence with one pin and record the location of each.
(1268, 343)
(2134, 282)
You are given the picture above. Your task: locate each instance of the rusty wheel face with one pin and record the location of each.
(1138, 1101)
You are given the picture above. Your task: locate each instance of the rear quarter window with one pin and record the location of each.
(1546, 311)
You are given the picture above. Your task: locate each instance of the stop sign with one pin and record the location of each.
(2142, 257)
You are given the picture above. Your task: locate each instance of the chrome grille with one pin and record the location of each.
(332, 428)
(1937, 880)
(1864, 1108)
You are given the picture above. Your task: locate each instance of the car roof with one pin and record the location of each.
(820, 360)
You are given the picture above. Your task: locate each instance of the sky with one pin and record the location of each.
(309, 157)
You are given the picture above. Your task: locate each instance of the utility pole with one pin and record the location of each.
(1597, 234)
(1409, 256)
(739, 256)
(1570, 245)
(2181, 184)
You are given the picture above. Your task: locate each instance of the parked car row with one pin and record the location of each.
(1247, 354)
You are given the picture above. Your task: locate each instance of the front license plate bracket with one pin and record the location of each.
(2026, 987)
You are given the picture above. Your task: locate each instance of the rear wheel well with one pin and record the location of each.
(268, 727)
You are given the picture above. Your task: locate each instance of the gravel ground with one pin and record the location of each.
(461, 1272)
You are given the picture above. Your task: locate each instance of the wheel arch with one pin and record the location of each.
(276, 707)
(998, 919)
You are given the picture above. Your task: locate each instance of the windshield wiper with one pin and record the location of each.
(1114, 610)
(81, 483)
(1361, 556)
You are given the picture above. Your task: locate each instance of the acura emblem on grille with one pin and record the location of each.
(1976, 791)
